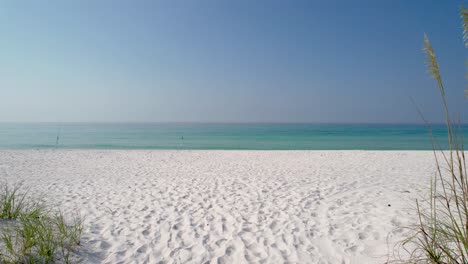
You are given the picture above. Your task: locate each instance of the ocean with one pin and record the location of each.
(248, 136)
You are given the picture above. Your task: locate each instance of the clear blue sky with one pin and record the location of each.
(227, 61)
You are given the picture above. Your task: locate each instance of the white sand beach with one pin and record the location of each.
(229, 206)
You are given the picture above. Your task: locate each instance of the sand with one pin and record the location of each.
(229, 206)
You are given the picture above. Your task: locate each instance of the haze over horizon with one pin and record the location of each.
(220, 61)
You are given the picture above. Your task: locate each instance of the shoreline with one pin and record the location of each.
(221, 150)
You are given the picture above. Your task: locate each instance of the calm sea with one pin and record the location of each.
(218, 136)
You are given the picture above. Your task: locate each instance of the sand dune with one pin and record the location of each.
(229, 206)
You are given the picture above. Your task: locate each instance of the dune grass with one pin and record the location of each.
(14, 203)
(442, 231)
(33, 233)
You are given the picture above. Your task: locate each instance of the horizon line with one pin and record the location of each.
(225, 122)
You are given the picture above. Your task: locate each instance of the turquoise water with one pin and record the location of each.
(218, 136)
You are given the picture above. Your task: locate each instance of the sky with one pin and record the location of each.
(228, 61)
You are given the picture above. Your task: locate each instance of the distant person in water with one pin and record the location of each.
(58, 138)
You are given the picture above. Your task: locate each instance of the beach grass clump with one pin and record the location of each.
(32, 233)
(442, 231)
(14, 203)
